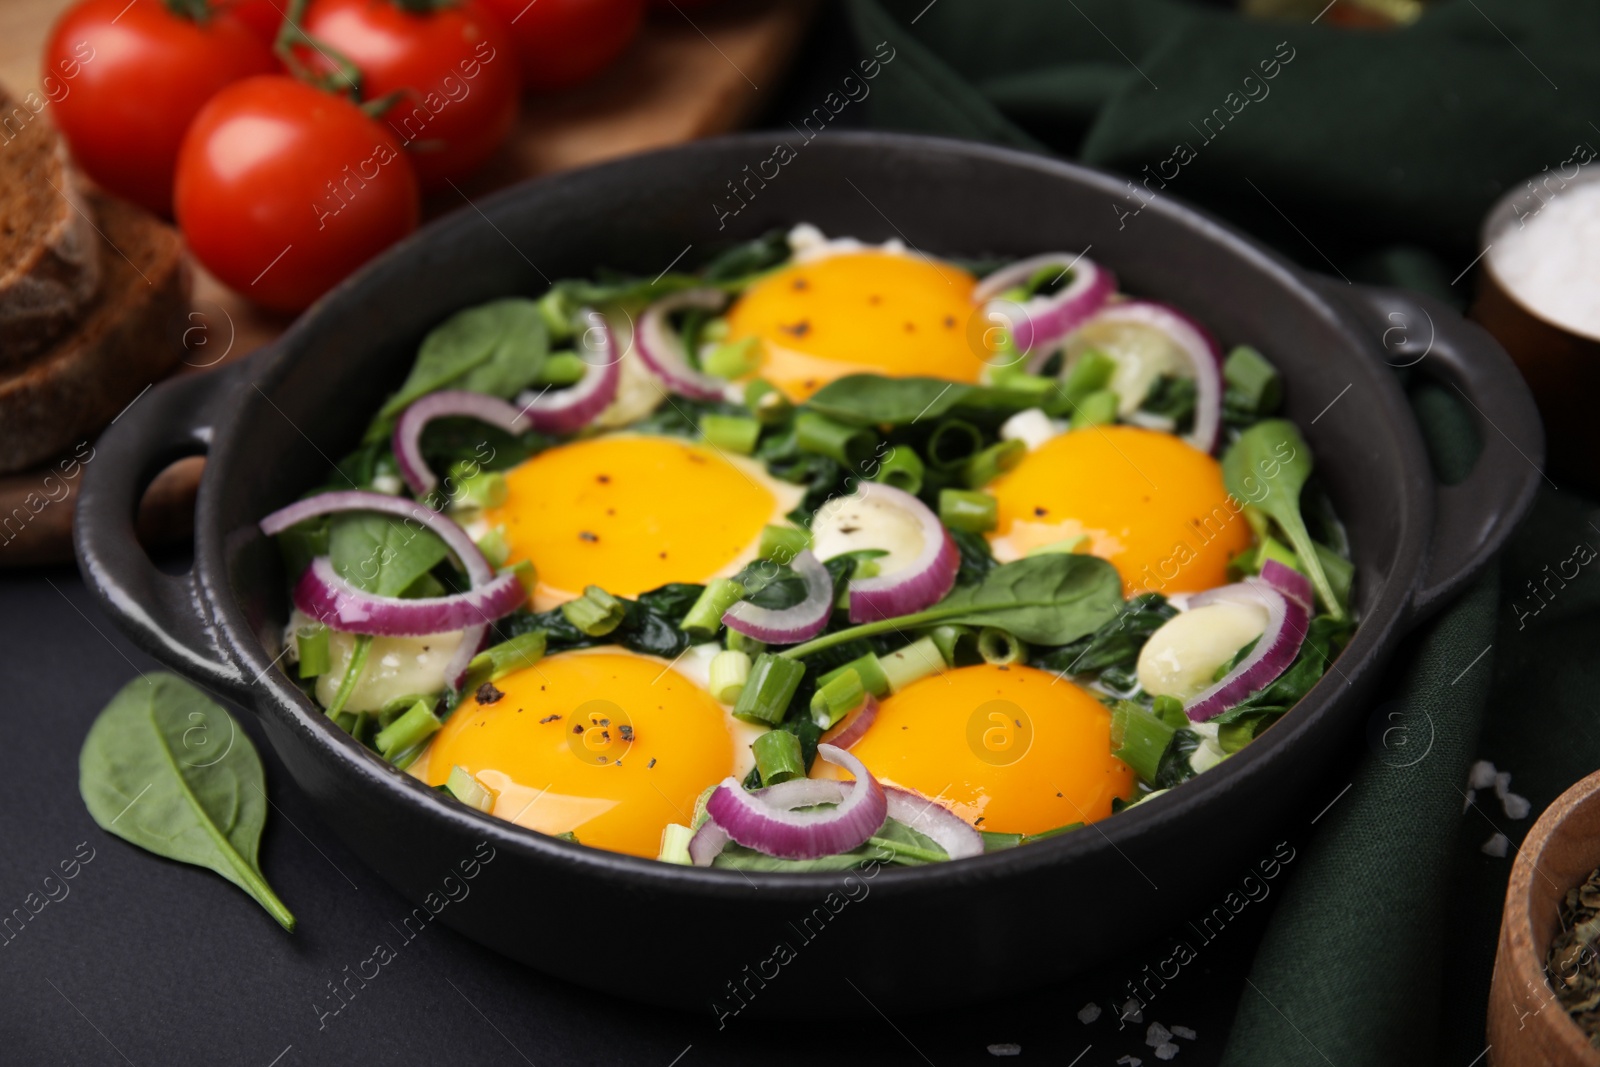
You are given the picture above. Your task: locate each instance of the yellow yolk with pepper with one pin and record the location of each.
(1015, 747)
(629, 513)
(1152, 505)
(608, 745)
(859, 312)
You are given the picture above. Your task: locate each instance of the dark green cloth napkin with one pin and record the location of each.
(1373, 156)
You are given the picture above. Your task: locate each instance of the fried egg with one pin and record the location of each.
(1010, 749)
(602, 743)
(630, 512)
(846, 308)
(1148, 502)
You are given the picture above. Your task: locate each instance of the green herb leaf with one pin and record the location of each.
(1267, 467)
(167, 769)
(382, 554)
(1116, 644)
(871, 399)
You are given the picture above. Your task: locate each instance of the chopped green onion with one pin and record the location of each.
(1097, 409)
(557, 315)
(596, 613)
(526, 573)
(998, 647)
(1057, 831)
(486, 489)
(867, 668)
(1066, 546)
(1169, 710)
(348, 721)
(715, 330)
(731, 433)
(560, 368)
(718, 596)
(1139, 738)
(841, 695)
(738, 642)
(730, 671)
(902, 468)
(395, 707)
(912, 663)
(766, 401)
(1022, 382)
(968, 510)
(497, 661)
(698, 817)
(992, 462)
(954, 642)
(414, 726)
(406, 757)
(568, 835)
(494, 547)
(850, 445)
(314, 648)
(1252, 382)
(732, 359)
(783, 543)
(352, 673)
(467, 789)
(675, 844)
(777, 755)
(996, 842)
(952, 443)
(1091, 372)
(772, 684)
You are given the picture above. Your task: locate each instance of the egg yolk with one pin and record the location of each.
(859, 312)
(1152, 505)
(1021, 749)
(609, 746)
(629, 513)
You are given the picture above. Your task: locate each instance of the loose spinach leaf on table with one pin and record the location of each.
(1116, 644)
(1267, 467)
(382, 554)
(871, 399)
(496, 348)
(167, 769)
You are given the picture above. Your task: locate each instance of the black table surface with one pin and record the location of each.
(149, 962)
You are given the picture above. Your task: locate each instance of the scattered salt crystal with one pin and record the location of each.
(1005, 1049)
(1496, 846)
(1516, 807)
(1481, 776)
(1088, 1013)
(1167, 1051)
(1129, 1061)
(1550, 256)
(1133, 1011)
(1183, 1032)
(1157, 1035)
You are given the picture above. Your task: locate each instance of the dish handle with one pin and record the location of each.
(1474, 517)
(166, 614)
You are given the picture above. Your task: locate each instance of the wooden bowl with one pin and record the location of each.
(1561, 366)
(1527, 1025)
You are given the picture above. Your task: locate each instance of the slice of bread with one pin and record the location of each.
(49, 251)
(129, 338)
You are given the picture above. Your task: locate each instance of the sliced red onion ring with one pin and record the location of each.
(707, 843)
(322, 594)
(933, 820)
(1197, 346)
(922, 582)
(802, 835)
(1046, 319)
(1274, 651)
(1288, 581)
(407, 440)
(571, 409)
(850, 729)
(662, 350)
(447, 529)
(790, 625)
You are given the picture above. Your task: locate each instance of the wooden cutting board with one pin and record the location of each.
(688, 75)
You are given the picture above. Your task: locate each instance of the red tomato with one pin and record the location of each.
(141, 74)
(455, 64)
(562, 42)
(263, 16)
(284, 189)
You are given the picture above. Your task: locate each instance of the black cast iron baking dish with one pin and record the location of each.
(920, 936)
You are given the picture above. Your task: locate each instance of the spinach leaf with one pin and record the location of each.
(976, 559)
(446, 442)
(496, 348)
(822, 476)
(1325, 636)
(905, 845)
(382, 554)
(649, 624)
(747, 258)
(871, 399)
(1044, 600)
(1175, 766)
(168, 770)
(1267, 467)
(1173, 398)
(731, 270)
(1116, 644)
(895, 842)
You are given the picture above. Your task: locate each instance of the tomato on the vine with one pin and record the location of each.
(143, 70)
(451, 61)
(284, 189)
(263, 16)
(563, 42)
